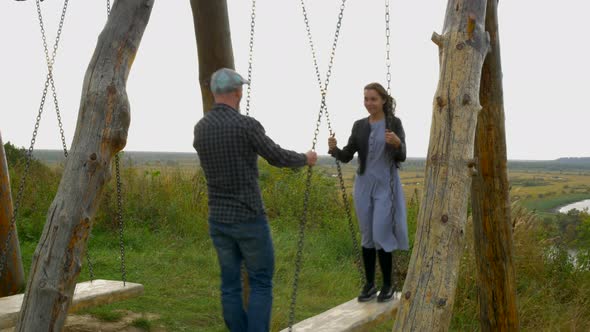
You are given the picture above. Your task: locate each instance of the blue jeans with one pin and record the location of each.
(250, 242)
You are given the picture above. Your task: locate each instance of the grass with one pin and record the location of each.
(142, 323)
(109, 316)
(550, 203)
(180, 275)
(168, 249)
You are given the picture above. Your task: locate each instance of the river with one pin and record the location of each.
(580, 205)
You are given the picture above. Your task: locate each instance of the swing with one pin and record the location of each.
(86, 294)
(350, 307)
(323, 109)
(352, 315)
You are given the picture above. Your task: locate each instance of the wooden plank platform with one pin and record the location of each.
(87, 294)
(350, 316)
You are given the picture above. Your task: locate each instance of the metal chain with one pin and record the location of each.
(244, 271)
(329, 124)
(324, 86)
(392, 196)
(387, 47)
(90, 264)
(51, 61)
(250, 55)
(300, 241)
(323, 109)
(119, 203)
(351, 225)
(120, 220)
(49, 80)
(392, 166)
(390, 120)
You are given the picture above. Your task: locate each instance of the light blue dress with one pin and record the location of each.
(372, 198)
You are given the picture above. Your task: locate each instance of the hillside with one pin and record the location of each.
(148, 158)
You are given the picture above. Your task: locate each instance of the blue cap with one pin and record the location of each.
(226, 80)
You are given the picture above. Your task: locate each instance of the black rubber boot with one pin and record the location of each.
(369, 291)
(385, 262)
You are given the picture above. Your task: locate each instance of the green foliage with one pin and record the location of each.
(109, 316)
(40, 187)
(401, 259)
(571, 229)
(583, 231)
(142, 323)
(173, 200)
(553, 289)
(529, 182)
(169, 250)
(550, 203)
(283, 192)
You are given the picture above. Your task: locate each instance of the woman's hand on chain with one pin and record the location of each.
(332, 144)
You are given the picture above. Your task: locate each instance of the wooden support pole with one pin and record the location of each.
(428, 295)
(12, 280)
(214, 50)
(101, 131)
(214, 46)
(491, 198)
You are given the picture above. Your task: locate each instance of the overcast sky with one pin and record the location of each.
(545, 55)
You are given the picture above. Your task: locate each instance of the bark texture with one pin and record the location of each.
(101, 131)
(12, 279)
(428, 293)
(214, 46)
(490, 197)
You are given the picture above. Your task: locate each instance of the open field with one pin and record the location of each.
(536, 185)
(169, 251)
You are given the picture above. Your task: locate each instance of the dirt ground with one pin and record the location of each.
(88, 323)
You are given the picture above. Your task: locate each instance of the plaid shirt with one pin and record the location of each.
(228, 145)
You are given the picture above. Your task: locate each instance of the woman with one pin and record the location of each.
(379, 140)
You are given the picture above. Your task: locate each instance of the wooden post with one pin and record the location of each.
(12, 280)
(101, 131)
(214, 49)
(214, 46)
(428, 295)
(490, 197)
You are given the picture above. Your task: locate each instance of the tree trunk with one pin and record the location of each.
(428, 294)
(101, 132)
(214, 45)
(12, 279)
(490, 197)
(214, 48)
(215, 51)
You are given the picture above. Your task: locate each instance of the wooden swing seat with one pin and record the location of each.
(87, 294)
(350, 316)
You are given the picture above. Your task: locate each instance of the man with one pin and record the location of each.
(228, 145)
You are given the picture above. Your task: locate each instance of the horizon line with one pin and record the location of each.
(325, 155)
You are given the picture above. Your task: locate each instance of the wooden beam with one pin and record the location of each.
(429, 290)
(12, 279)
(87, 294)
(214, 46)
(214, 51)
(490, 197)
(101, 132)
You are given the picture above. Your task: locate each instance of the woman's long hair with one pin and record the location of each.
(390, 104)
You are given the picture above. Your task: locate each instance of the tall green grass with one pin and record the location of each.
(553, 294)
(169, 251)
